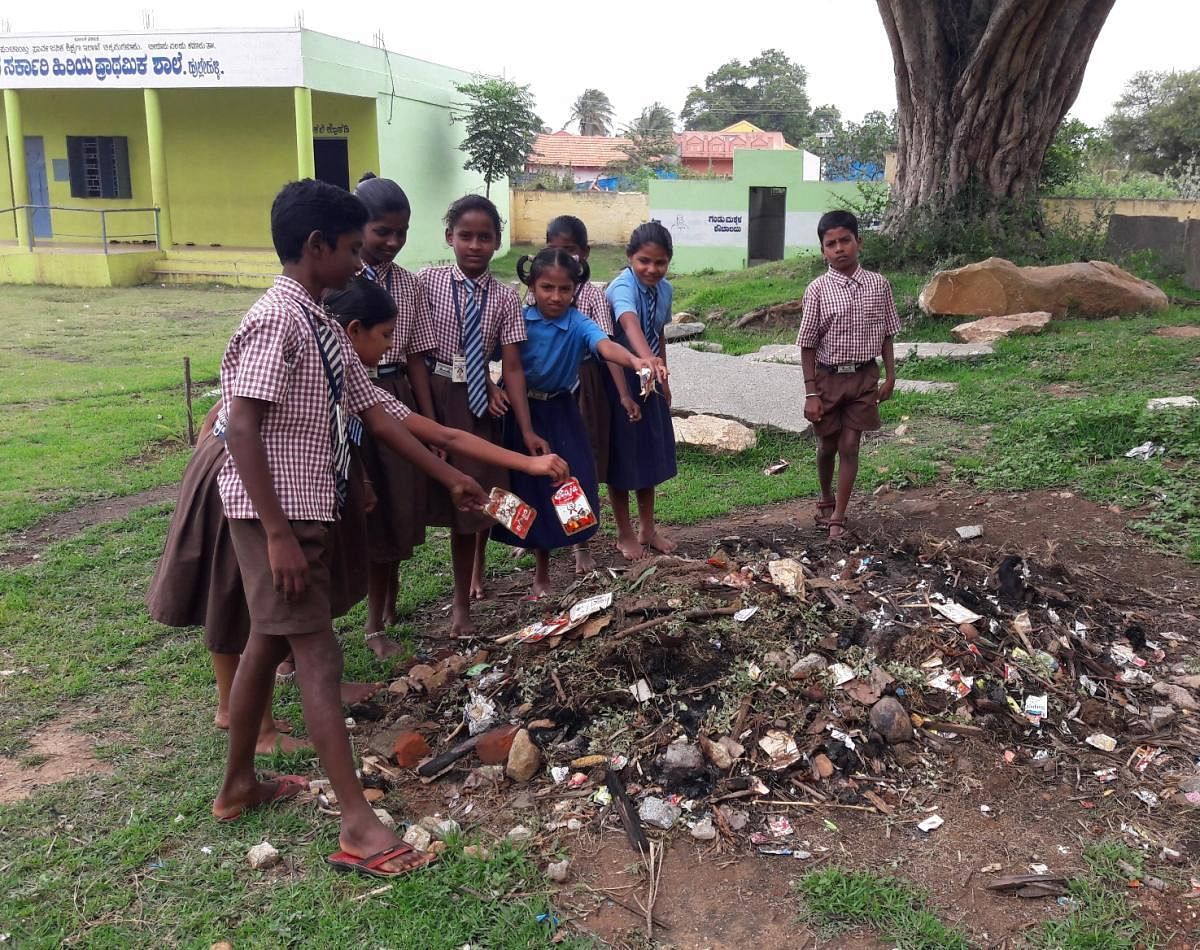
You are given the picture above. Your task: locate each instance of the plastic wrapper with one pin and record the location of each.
(510, 511)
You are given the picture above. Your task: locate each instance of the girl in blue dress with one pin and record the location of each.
(642, 453)
(559, 338)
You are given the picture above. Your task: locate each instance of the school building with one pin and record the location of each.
(155, 156)
(766, 211)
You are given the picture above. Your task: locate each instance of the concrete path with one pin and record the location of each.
(787, 353)
(756, 393)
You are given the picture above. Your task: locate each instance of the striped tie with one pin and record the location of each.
(472, 330)
(650, 324)
(335, 369)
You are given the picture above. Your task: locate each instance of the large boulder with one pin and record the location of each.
(714, 434)
(996, 287)
(990, 329)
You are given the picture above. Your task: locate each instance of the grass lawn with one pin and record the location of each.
(90, 382)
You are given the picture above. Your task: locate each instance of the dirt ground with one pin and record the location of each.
(57, 753)
(722, 895)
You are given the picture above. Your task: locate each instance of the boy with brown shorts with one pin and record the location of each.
(290, 383)
(848, 321)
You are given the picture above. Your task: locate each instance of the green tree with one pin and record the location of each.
(1077, 149)
(768, 91)
(847, 148)
(655, 118)
(1156, 122)
(501, 127)
(593, 111)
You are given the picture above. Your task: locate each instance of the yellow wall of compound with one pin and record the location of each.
(610, 216)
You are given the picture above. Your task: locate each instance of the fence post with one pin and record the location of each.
(104, 231)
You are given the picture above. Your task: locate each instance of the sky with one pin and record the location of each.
(642, 52)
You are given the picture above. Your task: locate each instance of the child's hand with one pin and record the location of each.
(812, 409)
(631, 407)
(886, 388)
(466, 494)
(536, 445)
(551, 466)
(498, 403)
(660, 369)
(289, 567)
(666, 392)
(370, 499)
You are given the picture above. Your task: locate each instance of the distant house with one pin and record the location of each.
(587, 157)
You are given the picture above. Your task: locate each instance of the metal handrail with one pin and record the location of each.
(103, 212)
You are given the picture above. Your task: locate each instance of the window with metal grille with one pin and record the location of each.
(99, 166)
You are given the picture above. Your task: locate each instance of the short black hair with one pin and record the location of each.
(836, 219)
(382, 196)
(530, 268)
(302, 207)
(652, 232)
(362, 300)
(567, 225)
(469, 203)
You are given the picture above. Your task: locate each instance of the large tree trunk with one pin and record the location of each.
(981, 86)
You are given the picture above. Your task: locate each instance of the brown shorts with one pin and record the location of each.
(270, 614)
(848, 401)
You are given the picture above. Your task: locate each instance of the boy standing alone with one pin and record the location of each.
(848, 320)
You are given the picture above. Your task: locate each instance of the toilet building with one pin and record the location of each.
(766, 211)
(132, 155)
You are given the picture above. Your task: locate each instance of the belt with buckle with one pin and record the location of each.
(845, 367)
(384, 370)
(543, 396)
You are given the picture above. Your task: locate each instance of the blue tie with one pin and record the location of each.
(477, 397)
(650, 325)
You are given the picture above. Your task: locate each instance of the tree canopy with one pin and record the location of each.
(1156, 122)
(501, 127)
(852, 150)
(594, 113)
(768, 91)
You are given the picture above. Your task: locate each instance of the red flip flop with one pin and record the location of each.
(286, 787)
(344, 862)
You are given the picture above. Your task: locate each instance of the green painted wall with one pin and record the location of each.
(709, 220)
(418, 146)
(8, 231)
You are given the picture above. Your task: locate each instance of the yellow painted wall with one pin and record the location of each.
(56, 113)
(334, 110)
(229, 151)
(75, 269)
(8, 228)
(610, 216)
(1086, 210)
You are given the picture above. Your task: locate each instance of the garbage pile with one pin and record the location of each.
(724, 694)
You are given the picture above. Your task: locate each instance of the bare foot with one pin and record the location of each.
(631, 549)
(658, 542)
(542, 587)
(461, 624)
(352, 693)
(232, 805)
(584, 562)
(271, 742)
(478, 591)
(221, 721)
(382, 645)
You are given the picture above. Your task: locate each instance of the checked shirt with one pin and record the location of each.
(501, 320)
(846, 318)
(414, 330)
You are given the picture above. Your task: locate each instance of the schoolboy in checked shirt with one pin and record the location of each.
(849, 319)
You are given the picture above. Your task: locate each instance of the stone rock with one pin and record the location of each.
(1187, 681)
(384, 817)
(955, 352)
(493, 746)
(1172, 402)
(924, 386)
(681, 760)
(716, 753)
(990, 329)
(559, 871)
(735, 749)
(736, 818)
(1161, 716)
(1176, 696)
(418, 837)
(703, 830)
(409, 749)
(807, 666)
(822, 764)
(477, 851)
(437, 847)
(995, 287)
(524, 758)
(1185, 332)
(262, 856)
(683, 317)
(440, 828)
(713, 434)
(674, 332)
(705, 346)
(519, 833)
(657, 813)
(890, 719)
(383, 742)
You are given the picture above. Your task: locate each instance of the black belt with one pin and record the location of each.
(845, 367)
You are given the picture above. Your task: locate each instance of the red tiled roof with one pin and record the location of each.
(722, 144)
(564, 150)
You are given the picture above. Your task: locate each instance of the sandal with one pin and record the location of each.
(836, 523)
(821, 506)
(286, 788)
(372, 864)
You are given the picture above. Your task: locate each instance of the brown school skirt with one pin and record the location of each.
(848, 401)
(197, 581)
(397, 525)
(597, 416)
(450, 405)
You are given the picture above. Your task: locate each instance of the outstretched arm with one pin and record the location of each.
(470, 445)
